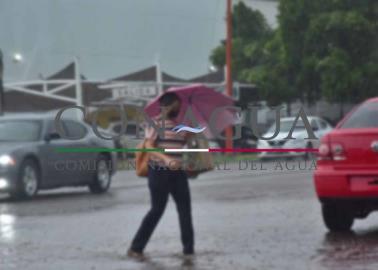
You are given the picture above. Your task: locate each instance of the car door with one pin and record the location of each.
(85, 161)
(57, 165)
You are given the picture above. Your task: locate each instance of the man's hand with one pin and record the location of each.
(172, 163)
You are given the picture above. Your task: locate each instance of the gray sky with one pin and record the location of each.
(113, 37)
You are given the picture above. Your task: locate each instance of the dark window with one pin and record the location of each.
(19, 130)
(365, 116)
(314, 125)
(51, 127)
(130, 129)
(323, 124)
(75, 129)
(117, 129)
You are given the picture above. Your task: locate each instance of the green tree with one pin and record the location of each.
(321, 49)
(331, 48)
(249, 29)
(270, 72)
(259, 56)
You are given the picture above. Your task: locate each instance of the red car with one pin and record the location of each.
(346, 178)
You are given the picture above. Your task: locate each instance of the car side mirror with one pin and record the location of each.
(52, 136)
(315, 128)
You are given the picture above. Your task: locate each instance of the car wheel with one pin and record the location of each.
(28, 180)
(102, 177)
(336, 218)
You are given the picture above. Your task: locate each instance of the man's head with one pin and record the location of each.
(170, 104)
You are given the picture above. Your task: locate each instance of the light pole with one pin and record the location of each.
(1, 84)
(229, 131)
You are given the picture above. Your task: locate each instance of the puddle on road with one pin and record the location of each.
(341, 250)
(59, 203)
(157, 260)
(7, 231)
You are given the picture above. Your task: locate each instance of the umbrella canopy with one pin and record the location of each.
(204, 102)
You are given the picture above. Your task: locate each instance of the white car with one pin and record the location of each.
(319, 126)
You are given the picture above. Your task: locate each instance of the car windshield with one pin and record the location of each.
(286, 125)
(366, 116)
(19, 131)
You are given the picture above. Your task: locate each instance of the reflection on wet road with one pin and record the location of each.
(354, 250)
(7, 230)
(243, 220)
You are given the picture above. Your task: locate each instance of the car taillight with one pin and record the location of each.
(338, 152)
(324, 152)
(331, 152)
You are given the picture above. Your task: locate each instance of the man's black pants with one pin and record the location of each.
(162, 182)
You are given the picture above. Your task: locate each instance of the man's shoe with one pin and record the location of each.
(138, 256)
(188, 259)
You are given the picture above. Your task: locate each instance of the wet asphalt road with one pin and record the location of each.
(250, 219)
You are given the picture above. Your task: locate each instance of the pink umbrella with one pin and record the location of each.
(204, 102)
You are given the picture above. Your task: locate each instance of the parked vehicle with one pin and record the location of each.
(318, 125)
(128, 139)
(29, 160)
(346, 178)
(246, 140)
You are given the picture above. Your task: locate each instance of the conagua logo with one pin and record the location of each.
(180, 128)
(189, 115)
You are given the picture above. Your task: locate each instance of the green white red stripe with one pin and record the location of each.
(241, 150)
(184, 150)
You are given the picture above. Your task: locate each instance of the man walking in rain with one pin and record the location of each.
(163, 180)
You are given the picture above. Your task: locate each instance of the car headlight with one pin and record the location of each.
(3, 183)
(6, 160)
